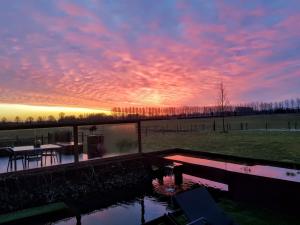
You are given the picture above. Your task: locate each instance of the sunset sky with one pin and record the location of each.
(100, 54)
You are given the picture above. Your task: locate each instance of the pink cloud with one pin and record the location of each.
(82, 60)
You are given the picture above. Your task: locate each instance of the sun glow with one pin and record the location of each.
(154, 99)
(10, 111)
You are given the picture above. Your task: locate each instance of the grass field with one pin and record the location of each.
(249, 215)
(280, 144)
(243, 214)
(274, 121)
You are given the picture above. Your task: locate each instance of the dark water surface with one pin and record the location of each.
(132, 207)
(144, 209)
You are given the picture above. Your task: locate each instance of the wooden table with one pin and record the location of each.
(24, 150)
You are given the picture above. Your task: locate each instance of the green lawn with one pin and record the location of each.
(275, 121)
(263, 144)
(250, 215)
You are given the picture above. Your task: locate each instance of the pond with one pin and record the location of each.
(134, 208)
(133, 212)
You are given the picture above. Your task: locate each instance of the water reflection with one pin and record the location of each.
(141, 209)
(205, 182)
(258, 170)
(135, 212)
(166, 185)
(134, 209)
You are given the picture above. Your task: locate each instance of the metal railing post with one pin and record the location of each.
(76, 152)
(139, 136)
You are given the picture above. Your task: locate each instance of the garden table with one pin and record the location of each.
(25, 150)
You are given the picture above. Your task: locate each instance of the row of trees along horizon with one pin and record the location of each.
(127, 113)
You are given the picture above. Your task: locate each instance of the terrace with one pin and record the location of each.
(87, 173)
(69, 144)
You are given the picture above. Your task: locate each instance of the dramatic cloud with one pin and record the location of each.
(117, 53)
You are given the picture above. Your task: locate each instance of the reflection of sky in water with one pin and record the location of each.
(258, 170)
(205, 182)
(167, 185)
(127, 213)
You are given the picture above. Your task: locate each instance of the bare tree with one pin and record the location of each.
(81, 117)
(29, 119)
(51, 118)
(39, 119)
(17, 119)
(298, 103)
(61, 115)
(292, 102)
(3, 119)
(222, 102)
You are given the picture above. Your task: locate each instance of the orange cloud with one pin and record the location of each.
(97, 54)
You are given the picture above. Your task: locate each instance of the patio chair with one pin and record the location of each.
(33, 156)
(12, 158)
(52, 154)
(200, 208)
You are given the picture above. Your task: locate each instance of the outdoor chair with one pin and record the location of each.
(34, 156)
(200, 208)
(12, 158)
(52, 154)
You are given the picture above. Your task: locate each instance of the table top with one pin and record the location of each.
(31, 148)
(66, 144)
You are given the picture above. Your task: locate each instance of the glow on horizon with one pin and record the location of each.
(10, 111)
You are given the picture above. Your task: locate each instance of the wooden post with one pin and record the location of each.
(139, 136)
(76, 152)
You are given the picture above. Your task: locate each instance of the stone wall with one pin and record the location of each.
(25, 189)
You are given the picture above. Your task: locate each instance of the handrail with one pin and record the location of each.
(61, 124)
